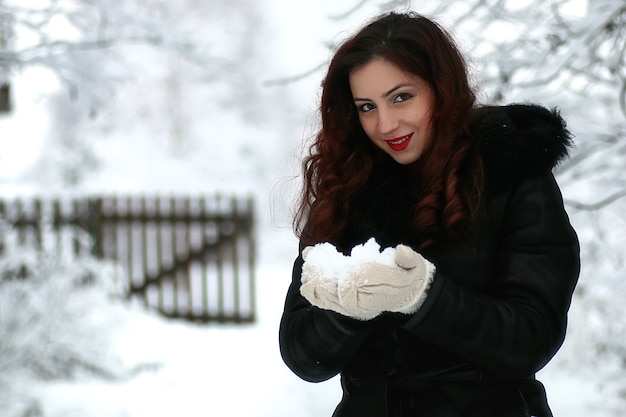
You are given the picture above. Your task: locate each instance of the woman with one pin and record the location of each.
(486, 259)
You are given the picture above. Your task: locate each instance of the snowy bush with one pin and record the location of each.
(57, 314)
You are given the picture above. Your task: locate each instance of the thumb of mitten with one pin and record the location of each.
(419, 273)
(405, 257)
(305, 252)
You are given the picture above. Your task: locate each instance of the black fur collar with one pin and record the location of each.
(519, 141)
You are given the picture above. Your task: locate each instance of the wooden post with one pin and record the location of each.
(251, 256)
(4, 224)
(5, 98)
(237, 236)
(173, 212)
(188, 249)
(159, 251)
(94, 226)
(5, 87)
(203, 264)
(218, 261)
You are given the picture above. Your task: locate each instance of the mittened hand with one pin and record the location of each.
(367, 283)
(373, 287)
(319, 286)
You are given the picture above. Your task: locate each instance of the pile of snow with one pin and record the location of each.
(326, 259)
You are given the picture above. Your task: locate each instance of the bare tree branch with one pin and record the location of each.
(348, 13)
(293, 78)
(597, 205)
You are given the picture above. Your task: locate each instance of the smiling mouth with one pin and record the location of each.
(400, 143)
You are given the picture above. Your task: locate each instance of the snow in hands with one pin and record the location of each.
(326, 259)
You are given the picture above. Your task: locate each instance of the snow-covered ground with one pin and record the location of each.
(216, 370)
(177, 368)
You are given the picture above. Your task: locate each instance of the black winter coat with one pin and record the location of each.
(496, 312)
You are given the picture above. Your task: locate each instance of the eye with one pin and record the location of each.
(367, 107)
(402, 97)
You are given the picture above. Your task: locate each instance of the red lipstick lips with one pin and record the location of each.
(400, 143)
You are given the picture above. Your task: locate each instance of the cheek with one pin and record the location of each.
(424, 119)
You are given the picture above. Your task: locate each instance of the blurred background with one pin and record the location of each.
(149, 164)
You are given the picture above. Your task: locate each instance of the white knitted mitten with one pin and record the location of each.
(319, 286)
(373, 287)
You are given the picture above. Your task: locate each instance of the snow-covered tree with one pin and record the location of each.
(72, 38)
(82, 45)
(564, 53)
(188, 65)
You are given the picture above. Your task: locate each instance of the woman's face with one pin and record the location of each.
(394, 109)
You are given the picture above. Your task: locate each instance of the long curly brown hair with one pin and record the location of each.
(341, 158)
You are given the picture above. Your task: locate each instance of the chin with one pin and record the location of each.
(405, 159)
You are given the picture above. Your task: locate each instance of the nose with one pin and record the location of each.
(387, 121)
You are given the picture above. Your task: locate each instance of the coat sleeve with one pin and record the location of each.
(516, 327)
(316, 344)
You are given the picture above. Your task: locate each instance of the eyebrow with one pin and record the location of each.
(386, 94)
